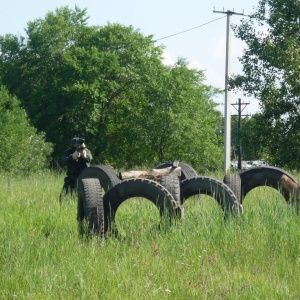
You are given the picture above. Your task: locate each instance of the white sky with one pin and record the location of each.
(203, 47)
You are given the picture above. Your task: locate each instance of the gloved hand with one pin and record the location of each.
(75, 155)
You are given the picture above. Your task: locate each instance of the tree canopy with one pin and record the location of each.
(109, 85)
(271, 73)
(174, 119)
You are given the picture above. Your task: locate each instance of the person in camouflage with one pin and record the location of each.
(76, 158)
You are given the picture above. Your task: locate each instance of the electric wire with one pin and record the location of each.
(189, 29)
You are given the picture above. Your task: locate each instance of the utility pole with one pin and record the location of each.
(227, 116)
(240, 110)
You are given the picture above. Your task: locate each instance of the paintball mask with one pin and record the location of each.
(78, 143)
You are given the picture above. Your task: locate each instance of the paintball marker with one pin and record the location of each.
(81, 143)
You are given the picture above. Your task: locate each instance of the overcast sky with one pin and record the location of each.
(203, 45)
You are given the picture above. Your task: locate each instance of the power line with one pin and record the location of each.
(189, 29)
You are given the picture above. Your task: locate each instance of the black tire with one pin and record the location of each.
(90, 212)
(106, 175)
(212, 187)
(267, 176)
(186, 170)
(233, 181)
(137, 187)
(172, 184)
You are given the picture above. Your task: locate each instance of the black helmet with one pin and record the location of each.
(75, 142)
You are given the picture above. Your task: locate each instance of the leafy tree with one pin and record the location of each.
(176, 120)
(23, 150)
(32, 69)
(112, 65)
(271, 66)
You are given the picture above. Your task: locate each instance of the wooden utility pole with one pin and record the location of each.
(227, 116)
(240, 110)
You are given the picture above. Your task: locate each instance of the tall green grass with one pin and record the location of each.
(203, 256)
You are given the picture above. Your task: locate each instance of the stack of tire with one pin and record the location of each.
(96, 212)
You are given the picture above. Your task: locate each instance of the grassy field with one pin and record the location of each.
(255, 256)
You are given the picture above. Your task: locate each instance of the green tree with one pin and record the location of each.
(32, 68)
(109, 67)
(271, 73)
(175, 119)
(23, 150)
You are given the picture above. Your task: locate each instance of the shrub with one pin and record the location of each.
(23, 149)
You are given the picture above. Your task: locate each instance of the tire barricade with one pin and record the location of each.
(96, 212)
(241, 184)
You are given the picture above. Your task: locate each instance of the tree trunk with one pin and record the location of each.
(150, 174)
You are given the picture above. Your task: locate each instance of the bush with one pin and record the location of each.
(23, 150)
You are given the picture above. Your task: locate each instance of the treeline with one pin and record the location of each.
(107, 84)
